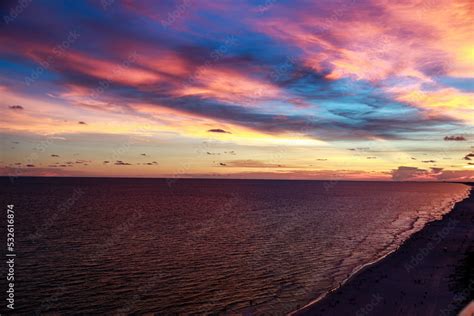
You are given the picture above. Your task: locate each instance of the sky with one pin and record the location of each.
(335, 90)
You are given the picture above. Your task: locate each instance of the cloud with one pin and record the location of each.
(122, 163)
(39, 172)
(454, 138)
(245, 86)
(54, 155)
(153, 163)
(404, 173)
(429, 161)
(289, 73)
(331, 175)
(250, 163)
(15, 107)
(218, 130)
(469, 156)
(456, 175)
(81, 161)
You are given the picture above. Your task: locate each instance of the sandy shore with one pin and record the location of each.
(431, 274)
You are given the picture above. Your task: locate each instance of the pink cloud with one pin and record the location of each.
(404, 173)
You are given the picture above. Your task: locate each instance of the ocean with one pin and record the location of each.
(97, 245)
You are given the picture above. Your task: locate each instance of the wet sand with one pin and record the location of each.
(432, 273)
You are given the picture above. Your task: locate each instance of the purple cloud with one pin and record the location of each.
(454, 138)
(218, 130)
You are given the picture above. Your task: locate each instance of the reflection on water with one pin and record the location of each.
(142, 245)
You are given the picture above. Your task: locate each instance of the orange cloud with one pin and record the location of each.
(420, 40)
(229, 86)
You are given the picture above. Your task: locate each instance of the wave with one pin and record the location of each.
(444, 208)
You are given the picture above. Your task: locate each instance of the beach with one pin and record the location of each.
(430, 274)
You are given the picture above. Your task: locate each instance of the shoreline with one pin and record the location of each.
(364, 291)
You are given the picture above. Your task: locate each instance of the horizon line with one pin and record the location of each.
(244, 179)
